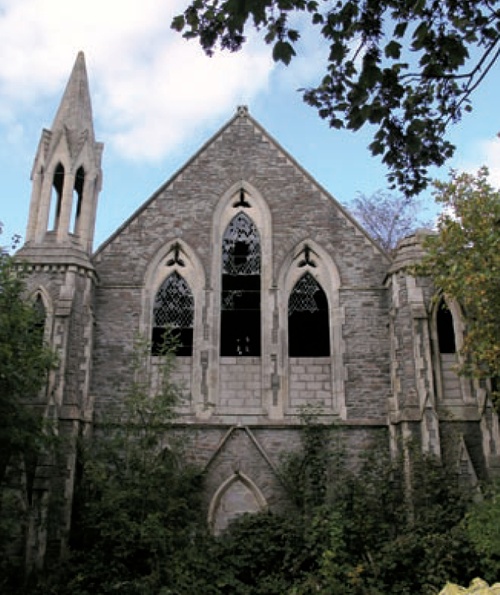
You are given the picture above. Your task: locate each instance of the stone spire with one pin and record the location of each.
(75, 109)
(66, 177)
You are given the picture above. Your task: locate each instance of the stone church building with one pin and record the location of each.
(279, 297)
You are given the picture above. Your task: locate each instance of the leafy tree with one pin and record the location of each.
(24, 365)
(364, 533)
(407, 67)
(483, 527)
(464, 262)
(388, 218)
(138, 506)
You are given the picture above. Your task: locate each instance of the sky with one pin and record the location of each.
(157, 98)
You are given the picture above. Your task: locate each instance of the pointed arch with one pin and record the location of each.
(447, 321)
(466, 471)
(308, 319)
(173, 309)
(311, 263)
(237, 495)
(42, 304)
(240, 328)
(309, 307)
(447, 339)
(77, 199)
(177, 261)
(242, 210)
(40, 318)
(56, 196)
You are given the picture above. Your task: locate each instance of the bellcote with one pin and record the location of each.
(66, 176)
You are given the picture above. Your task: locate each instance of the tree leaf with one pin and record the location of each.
(283, 52)
(393, 50)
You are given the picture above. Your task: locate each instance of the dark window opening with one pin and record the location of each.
(173, 311)
(240, 300)
(57, 183)
(308, 320)
(39, 320)
(77, 197)
(445, 329)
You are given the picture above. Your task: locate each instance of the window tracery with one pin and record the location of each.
(174, 309)
(308, 319)
(240, 300)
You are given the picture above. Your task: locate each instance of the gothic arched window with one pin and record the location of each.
(240, 300)
(77, 198)
(308, 319)
(173, 309)
(55, 207)
(40, 319)
(445, 329)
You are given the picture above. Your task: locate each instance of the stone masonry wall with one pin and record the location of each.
(183, 209)
(250, 423)
(240, 385)
(310, 382)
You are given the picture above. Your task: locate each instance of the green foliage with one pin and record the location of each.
(259, 554)
(408, 68)
(386, 528)
(137, 508)
(24, 365)
(464, 263)
(25, 436)
(483, 528)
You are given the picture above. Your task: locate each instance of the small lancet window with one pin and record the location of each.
(308, 319)
(77, 198)
(240, 300)
(55, 202)
(173, 309)
(445, 329)
(39, 319)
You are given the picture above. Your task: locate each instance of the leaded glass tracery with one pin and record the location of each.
(308, 319)
(240, 299)
(302, 297)
(241, 247)
(174, 308)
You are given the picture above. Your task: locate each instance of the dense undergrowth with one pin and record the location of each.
(377, 531)
(386, 527)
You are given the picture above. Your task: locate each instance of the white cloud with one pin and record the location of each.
(150, 110)
(150, 87)
(486, 152)
(491, 152)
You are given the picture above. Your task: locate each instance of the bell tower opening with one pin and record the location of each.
(56, 197)
(77, 199)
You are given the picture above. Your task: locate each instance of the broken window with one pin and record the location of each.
(55, 206)
(308, 319)
(240, 300)
(174, 310)
(445, 329)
